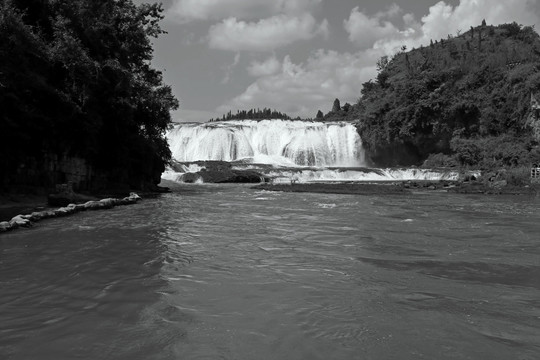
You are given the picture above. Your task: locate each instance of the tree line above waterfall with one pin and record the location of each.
(76, 83)
(253, 114)
(465, 100)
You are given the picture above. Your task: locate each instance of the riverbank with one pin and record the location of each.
(28, 219)
(14, 204)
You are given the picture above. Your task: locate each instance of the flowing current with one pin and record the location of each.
(280, 142)
(227, 272)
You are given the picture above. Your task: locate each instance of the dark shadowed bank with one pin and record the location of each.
(80, 103)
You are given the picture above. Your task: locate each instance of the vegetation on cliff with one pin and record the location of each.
(76, 82)
(461, 101)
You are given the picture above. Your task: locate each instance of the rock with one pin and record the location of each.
(4, 226)
(134, 196)
(48, 214)
(19, 221)
(63, 211)
(190, 178)
(107, 203)
(36, 215)
(92, 205)
(26, 220)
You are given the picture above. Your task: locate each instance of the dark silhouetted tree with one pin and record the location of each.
(337, 106)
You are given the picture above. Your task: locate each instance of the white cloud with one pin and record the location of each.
(184, 115)
(186, 10)
(442, 19)
(268, 67)
(230, 68)
(365, 31)
(302, 89)
(264, 35)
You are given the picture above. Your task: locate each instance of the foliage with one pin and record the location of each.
(76, 80)
(337, 106)
(461, 97)
(253, 114)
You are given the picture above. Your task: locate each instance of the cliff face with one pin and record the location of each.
(464, 100)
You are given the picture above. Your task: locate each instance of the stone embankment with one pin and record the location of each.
(29, 219)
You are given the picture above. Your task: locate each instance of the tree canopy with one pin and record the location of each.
(465, 99)
(76, 80)
(253, 114)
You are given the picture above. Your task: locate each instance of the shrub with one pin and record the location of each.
(518, 176)
(440, 160)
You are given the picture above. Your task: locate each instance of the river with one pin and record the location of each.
(227, 272)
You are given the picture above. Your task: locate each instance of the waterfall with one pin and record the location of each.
(274, 142)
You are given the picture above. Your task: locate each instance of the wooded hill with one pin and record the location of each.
(464, 100)
(79, 101)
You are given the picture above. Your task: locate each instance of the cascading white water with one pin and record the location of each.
(283, 151)
(276, 142)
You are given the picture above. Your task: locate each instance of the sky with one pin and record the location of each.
(297, 56)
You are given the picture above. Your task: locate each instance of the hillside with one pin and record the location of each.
(464, 100)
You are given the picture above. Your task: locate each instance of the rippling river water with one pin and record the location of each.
(227, 272)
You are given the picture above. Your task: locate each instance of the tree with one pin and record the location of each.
(82, 74)
(382, 63)
(320, 115)
(337, 106)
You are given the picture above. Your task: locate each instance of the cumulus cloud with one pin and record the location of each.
(266, 34)
(268, 67)
(365, 31)
(442, 19)
(229, 69)
(300, 89)
(187, 10)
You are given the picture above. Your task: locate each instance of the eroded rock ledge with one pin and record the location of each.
(29, 219)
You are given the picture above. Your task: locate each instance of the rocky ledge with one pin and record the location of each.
(29, 219)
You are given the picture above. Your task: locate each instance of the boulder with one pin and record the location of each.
(36, 216)
(134, 196)
(107, 203)
(4, 226)
(19, 221)
(92, 205)
(63, 211)
(190, 178)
